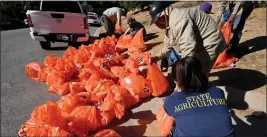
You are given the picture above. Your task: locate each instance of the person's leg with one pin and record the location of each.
(237, 33)
(112, 28)
(107, 24)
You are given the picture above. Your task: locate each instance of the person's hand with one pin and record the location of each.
(220, 25)
(119, 30)
(232, 18)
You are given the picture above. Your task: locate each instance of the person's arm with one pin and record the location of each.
(165, 50)
(236, 9)
(187, 38)
(127, 31)
(221, 9)
(119, 18)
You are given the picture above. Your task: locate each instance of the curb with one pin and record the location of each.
(253, 100)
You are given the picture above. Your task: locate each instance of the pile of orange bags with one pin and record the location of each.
(97, 84)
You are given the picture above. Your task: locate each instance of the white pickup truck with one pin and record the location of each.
(58, 21)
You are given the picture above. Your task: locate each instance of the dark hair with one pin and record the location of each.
(189, 75)
(130, 20)
(124, 12)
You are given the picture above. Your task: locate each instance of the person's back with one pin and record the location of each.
(206, 30)
(194, 33)
(200, 114)
(112, 13)
(198, 109)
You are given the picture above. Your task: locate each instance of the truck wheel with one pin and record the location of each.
(45, 45)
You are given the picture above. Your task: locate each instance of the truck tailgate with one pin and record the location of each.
(57, 22)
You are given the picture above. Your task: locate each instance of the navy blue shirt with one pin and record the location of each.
(200, 114)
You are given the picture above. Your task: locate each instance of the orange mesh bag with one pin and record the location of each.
(66, 69)
(96, 53)
(49, 113)
(84, 119)
(224, 60)
(107, 45)
(106, 117)
(123, 43)
(77, 87)
(142, 58)
(106, 133)
(118, 71)
(42, 75)
(52, 79)
(137, 43)
(85, 48)
(164, 122)
(111, 40)
(84, 74)
(50, 60)
(96, 42)
(136, 85)
(131, 65)
(114, 101)
(119, 30)
(158, 81)
(35, 71)
(227, 31)
(58, 132)
(108, 61)
(69, 102)
(98, 88)
(81, 57)
(98, 62)
(124, 96)
(33, 129)
(114, 60)
(61, 88)
(101, 71)
(70, 53)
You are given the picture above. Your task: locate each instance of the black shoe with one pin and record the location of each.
(232, 51)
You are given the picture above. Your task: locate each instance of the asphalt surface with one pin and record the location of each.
(20, 94)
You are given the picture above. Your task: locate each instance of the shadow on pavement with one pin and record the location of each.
(58, 48)
(143, 118)
(237, 82)
(256, 128)
(150, 36)
(151, 45)
(253, 45)
(243, 79)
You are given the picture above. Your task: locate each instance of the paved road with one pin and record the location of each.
(19, 94)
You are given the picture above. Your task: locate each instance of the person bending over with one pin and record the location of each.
(134, 27)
